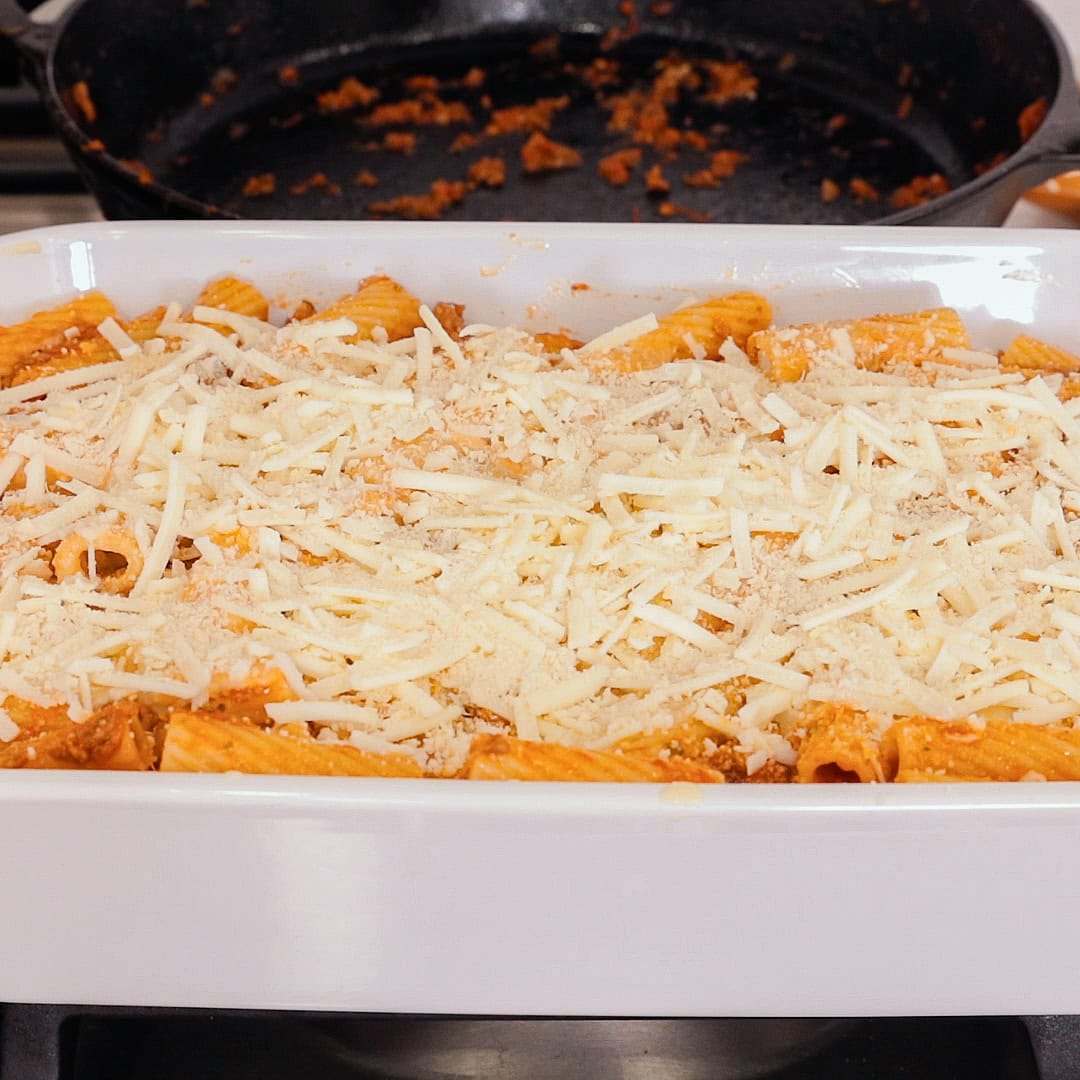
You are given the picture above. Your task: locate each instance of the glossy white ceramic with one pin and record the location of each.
(430, 896)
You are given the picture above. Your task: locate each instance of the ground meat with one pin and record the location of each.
(365, 178)
(259, 185)
(427, 109)
(452, 317)
(729, 81)
(836, 122)
(534, 117)
(288, 75)
(722, 165)
(475, 77)
(619, 34)
(351, 92)
(830, 190)
(400, 142)
(616, 168)
(142, 173)
(464, 140)
(417, 83)
(440, 197)
(488, 172)
(223, 80)
(1030, 119)
(655, 181)
(80, 97)
(670, 210)
(863, 190)
(603, 71)
(541, 154)
(317, 181)
(919, 190)
(903, 110)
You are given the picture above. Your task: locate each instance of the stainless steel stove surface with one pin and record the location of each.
(59, 1043)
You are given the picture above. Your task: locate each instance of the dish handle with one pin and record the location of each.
(33, 39)
(1055, 1045)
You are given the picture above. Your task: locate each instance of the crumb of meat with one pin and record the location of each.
(919, 190)
(80, 97)
(350, 93)
(670, 210)
(603, 71)
(830, 190)
(318, 181)
(236, 29)
(488, 172)
(618, 34)
(723, 163)
(546, 48)
(863, 190)
(304, 310)
(206, 99)
(238, 129)
(661, 9)
(288, 75)
(416, 83)
(1030, 119)
(635, 214)
(729, 81)
(426, 109)
(287, 121)
(695, 140)
(616, 168)
(442, 195)
(223, 80)
(534, 117)
(365, 178)
(464, 140)
(399, 142)
(788, 62)
(903, 110)
(655, 181)
(904, 75)
(93, 146)
(142, 173)
(580, 286)
(836, 122)
(259, 185)
(452, 317)
(703, 178)
(474, 77)
(541, 154)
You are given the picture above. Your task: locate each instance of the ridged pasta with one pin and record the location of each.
(501, 757)
(786, 354)
(198, 743)
(1029, 354)
(707, 325)
(378, 301)
(919, 748)
(840, 747)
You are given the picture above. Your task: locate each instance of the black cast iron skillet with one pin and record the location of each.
(190, 103)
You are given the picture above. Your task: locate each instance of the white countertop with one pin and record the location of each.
(23, 212)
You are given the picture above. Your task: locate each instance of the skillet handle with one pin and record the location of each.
(33, 39)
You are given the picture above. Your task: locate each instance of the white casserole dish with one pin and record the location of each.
(450, 897)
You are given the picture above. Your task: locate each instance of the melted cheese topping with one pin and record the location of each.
(420, 532)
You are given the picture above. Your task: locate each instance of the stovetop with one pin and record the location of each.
(61, 1043)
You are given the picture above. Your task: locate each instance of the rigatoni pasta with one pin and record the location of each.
(359, 542)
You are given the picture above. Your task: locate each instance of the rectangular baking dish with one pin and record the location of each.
(451, 897)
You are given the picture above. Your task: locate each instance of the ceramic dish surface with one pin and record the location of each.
(499, 898)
